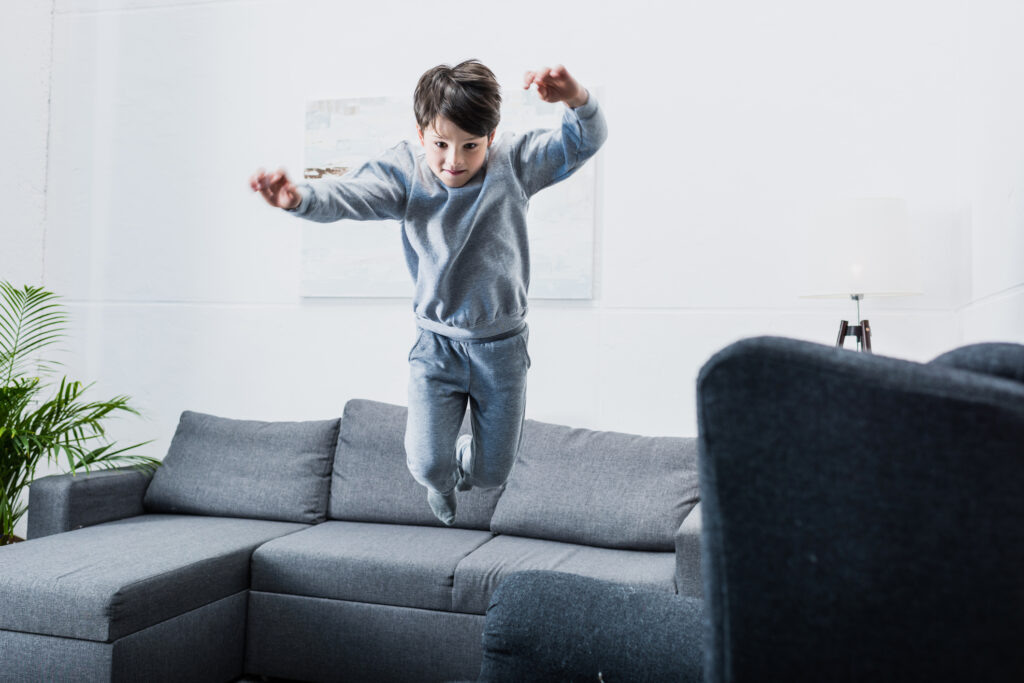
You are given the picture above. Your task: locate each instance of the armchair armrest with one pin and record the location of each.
(63, 502)
(688, 578)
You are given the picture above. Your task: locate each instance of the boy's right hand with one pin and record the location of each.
(276, 189)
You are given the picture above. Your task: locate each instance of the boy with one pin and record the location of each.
(462, 203)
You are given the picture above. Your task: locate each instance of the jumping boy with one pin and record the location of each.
(462, 202)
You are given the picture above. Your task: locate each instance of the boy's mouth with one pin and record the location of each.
(448, 170)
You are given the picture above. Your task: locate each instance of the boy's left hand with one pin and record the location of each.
(556, 85)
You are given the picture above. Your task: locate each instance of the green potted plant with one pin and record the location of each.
(33, 427)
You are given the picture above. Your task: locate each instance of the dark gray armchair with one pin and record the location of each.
(863, 520)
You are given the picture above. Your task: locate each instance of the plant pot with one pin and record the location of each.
(8, 540)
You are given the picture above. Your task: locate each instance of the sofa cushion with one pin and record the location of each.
(246, 468)
(112, 579)
(385, 564)
(993, 358)
(598, 488)
(481, 571)
(372, 483)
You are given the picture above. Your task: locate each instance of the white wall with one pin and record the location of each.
(996, 308)
(25, 57)
(726, 119)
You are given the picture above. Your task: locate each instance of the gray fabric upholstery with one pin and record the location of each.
(34, 658)
(409, 566)
(112, 579)
(371, 482)
(479, 574)
(246, 468)
(688, 577)
(205, 645)
(358, 642)
(548, 626)
(993, 358)
(862, 517)
(62, 502)
(598, 488)
(381, 591)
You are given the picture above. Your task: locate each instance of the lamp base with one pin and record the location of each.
(862, 332)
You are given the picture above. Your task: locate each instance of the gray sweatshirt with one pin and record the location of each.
(466, 248)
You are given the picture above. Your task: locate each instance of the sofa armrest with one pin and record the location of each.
(688, 577)
(544, 625)
(63, 502)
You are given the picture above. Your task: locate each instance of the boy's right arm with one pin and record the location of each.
(374, 190)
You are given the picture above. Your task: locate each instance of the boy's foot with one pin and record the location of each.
(464, 460)
(443, 506)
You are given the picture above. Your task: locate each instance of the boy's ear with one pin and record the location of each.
(490, 138)
(419, 131)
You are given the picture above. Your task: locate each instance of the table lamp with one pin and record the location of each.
(858, 249)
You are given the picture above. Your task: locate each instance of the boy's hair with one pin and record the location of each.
(467, 94)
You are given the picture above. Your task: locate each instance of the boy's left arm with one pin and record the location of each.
(544, 157)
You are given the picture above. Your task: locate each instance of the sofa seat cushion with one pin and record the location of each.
(479, 574)
(246, 468)
(384, 564)
(371, 481)
(106, 581)
(604, 489)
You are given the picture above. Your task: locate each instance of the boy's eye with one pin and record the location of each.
(469, 145)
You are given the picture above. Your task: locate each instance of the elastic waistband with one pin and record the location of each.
(518, 329)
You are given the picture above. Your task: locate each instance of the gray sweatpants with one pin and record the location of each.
(445, 374)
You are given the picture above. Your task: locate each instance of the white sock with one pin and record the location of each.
(443, 506)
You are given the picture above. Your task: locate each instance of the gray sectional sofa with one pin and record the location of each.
(305, 550)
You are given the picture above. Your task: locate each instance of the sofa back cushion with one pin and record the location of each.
(991, 358)
(372, 483)
(599, 488)
(246, 468)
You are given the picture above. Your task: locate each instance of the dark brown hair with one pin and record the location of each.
(466, 94)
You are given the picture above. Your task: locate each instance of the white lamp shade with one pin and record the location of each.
(861, 246)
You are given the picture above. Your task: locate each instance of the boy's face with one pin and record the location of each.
(453, 155)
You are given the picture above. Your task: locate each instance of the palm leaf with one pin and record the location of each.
(106, 459)
(64, 426)
(30, 320)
